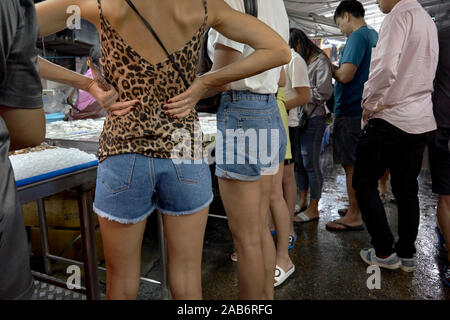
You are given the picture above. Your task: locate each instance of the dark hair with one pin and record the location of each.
(95, 54)
(307, 47)
(355, 8)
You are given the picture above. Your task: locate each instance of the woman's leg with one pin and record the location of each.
(268, 246)
(242, 203)
(311, 142)
(185, 234)
(122, 244)
(290, 193)
(281, 217)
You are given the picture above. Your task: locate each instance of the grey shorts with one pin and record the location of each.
(346, 132)
(15, 274)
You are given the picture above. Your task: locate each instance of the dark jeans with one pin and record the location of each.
(306, 146)
(383, 146)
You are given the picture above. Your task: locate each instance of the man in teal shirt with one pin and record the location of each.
(350, 77)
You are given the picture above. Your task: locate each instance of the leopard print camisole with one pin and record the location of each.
(146, 130)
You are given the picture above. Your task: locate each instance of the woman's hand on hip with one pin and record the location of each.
(108, 100)
(182, 105)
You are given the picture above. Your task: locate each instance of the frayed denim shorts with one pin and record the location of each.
(130, 186)
(251, 140)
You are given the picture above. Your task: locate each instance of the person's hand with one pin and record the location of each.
(182, 105)
(108, 100)
(367, 114)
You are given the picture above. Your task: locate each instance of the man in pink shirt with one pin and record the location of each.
(397, 103)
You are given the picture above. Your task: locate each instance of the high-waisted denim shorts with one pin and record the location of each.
(130, 186)
(251, 140)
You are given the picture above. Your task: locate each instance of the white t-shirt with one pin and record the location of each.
(273, 13)
(296, 76)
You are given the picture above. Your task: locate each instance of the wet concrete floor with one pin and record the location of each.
(328, 265)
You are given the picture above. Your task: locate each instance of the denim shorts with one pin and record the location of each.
(130, 186)
(251, 140)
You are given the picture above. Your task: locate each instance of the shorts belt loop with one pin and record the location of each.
(233, 96)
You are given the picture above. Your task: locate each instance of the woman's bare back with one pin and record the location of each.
(175, 22)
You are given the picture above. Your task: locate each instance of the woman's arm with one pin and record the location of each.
(282, 81)
(107, 99)
(303, 97)
(270, 52)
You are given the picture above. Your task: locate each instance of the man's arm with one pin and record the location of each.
(345, 73)
(384, 64)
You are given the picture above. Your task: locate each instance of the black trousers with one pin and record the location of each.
(16, 281)
(383, 146)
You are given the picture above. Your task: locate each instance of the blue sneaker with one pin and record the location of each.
(446, 275)
(368, 256)
(292, 240)
(408, 265)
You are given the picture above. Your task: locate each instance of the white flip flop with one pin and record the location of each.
(281, 275)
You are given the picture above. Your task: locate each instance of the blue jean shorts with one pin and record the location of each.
(130, 186)
(251, 140)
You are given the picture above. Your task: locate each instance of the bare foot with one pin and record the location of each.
(350, 221)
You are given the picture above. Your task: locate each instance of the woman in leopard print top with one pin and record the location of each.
(136, 173)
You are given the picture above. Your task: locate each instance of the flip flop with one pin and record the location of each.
(298, 209)
(347, 227)
(281, 275)
(305, 218)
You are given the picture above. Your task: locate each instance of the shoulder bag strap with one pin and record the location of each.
(149, 27)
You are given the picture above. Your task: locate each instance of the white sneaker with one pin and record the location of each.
(368, 256)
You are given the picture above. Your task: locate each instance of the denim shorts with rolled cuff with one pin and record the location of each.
(131, 186)
(251, 140)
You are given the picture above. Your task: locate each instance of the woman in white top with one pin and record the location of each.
(251, 143)
(297, 93)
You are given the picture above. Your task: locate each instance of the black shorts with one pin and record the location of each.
(346, 132)
(439, 154)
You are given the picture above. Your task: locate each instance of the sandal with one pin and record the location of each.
(347, 227)
(304, 218)
(298, 209)
(446, 275)
(292, 240)
(281, 275)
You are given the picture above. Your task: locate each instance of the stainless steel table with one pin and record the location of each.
(84, 182)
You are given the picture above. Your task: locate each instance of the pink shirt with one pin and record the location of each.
(84, 98)
(403, 68)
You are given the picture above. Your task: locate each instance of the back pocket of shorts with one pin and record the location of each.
(116, 172)
(189, 172)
